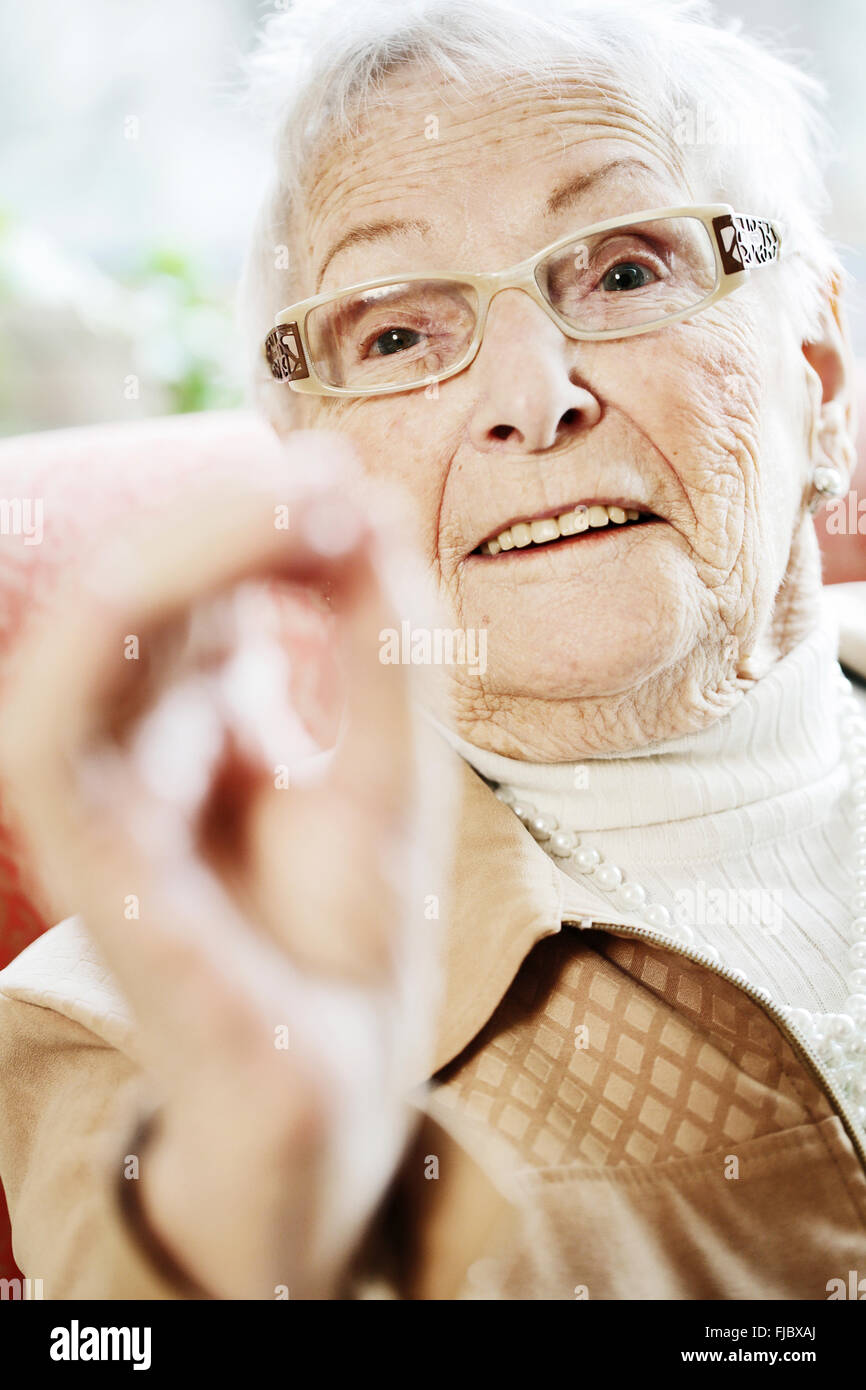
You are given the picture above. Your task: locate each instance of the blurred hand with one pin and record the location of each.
(278, 967)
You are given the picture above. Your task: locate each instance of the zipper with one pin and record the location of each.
(764, 1002)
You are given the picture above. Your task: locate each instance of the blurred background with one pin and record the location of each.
(129, 176)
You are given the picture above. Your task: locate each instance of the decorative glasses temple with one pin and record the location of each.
(285, 353)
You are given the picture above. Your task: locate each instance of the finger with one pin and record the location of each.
(55, 704)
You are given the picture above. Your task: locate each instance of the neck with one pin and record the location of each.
(780, 739)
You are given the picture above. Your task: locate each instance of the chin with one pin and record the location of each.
(586, 646)
(557, 671)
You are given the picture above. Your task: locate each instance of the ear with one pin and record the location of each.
(830, 373)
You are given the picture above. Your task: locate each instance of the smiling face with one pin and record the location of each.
(604, 630)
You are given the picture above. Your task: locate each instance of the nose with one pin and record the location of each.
(529, 398)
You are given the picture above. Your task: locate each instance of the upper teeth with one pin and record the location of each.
(552, 527)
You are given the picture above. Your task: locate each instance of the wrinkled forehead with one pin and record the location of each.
(475, 179)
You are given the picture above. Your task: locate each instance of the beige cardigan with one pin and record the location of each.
(690, 1149)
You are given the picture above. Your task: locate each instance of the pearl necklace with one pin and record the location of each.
(838, 1039)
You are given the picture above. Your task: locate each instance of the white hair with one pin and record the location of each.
(749, 123)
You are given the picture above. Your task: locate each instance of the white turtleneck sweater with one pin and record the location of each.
(744, 819)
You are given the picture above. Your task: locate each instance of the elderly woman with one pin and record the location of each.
(550, 279)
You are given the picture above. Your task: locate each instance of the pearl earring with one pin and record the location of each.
(828, 482)
(831, 479)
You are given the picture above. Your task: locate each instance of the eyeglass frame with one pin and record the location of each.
(287, 352)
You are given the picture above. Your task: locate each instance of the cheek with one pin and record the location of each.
(702, 406)
(402, 443)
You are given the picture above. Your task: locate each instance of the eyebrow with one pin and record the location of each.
(568, 193)
(372, 231)
(571, 191)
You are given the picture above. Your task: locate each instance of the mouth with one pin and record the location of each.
(583, 522)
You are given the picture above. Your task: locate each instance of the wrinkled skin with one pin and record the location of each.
(710, 423)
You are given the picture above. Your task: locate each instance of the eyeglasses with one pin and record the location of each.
(614, 279)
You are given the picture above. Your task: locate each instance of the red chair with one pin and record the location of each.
(87, 479)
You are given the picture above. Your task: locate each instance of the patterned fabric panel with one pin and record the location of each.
(608, 1051)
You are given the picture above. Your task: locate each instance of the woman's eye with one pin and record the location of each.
(394, 340)
(627, 275)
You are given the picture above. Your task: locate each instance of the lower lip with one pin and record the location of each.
(588, 540)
